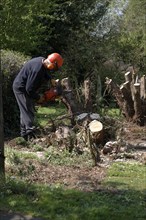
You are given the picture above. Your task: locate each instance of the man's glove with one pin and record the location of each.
(54, 82)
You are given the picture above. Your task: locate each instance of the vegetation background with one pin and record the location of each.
(96, 39)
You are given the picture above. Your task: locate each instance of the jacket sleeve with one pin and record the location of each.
(32, 85)
(32, 93)
(34, 81)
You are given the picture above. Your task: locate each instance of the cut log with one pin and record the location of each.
(95, 126)
(95, 138)
(96, 131)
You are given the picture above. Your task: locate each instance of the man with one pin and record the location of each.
(26, 85)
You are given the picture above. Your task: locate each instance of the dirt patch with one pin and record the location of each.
(71, 177)
(86, 179)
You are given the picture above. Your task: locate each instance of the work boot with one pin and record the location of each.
(25, 137)
(31, 136)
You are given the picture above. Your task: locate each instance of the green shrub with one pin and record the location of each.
(11, 63)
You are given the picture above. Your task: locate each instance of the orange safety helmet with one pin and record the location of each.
(56, 58)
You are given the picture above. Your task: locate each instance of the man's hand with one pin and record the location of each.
(54, 82)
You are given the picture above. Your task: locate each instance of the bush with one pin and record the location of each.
(11, 63)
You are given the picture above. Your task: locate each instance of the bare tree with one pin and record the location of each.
(2, 157)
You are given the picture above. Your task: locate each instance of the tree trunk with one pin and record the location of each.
(117, 93)
(128, 77)
(131, 97)
(87, 93)
(68, 99)
(2, 157)
(139, 117)
(143, 87)
(128, 102)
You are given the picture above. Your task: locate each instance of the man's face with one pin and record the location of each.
(51, 66)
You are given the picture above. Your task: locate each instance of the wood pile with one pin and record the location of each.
(85, 135)
(85, 131)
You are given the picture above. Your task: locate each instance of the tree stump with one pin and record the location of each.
(87, 94)
(143, 87)
(95, 138)
(131, 97)
(117, 93)
(128, 104)
(68, 99)
(139, 117)
(128, 77)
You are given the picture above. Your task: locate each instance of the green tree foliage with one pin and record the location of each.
(16, 25)
(83, 50)
(11, 62)
(130, 41)
(37, 27)
(22, 24)
(135, 28)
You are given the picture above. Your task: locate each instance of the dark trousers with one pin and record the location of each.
(26, 107)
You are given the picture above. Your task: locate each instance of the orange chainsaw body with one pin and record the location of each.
(51, 94)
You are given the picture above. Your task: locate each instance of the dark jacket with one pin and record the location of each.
(31, 77)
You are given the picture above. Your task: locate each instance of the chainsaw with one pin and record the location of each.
(51, 94)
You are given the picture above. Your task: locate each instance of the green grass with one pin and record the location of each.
(64, 157)
(14, 156)
(122, 196)
(44, 114)
(129, 175)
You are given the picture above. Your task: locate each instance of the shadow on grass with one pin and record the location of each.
(53, 203)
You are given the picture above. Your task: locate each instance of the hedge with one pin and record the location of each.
(11, 63)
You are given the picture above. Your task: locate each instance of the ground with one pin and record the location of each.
(39, 162)
(73, 173)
